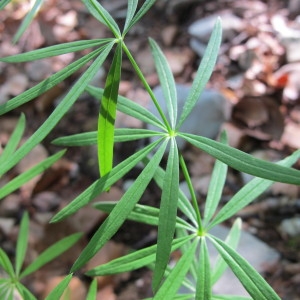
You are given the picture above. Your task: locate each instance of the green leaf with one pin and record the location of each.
(58, 112)
(244, 162)
(54, 50)
(255, 285)
(125, 205)
(22, 243)
(204, 72)
(167, 215)
(230, 297)
(51, 253)
(249, 192)
(14, 140)
(103, 183)
(27, 295)
(142, 213)
(232, 241)
(134, 260)
(6, 289)
(48, 83)
(24, 177)
(203, 287)
(92, 293)
(102, 15)
(172, 283)
(90, 138)
(167, 81)
(4, 3)
(58, 291)
(183, 203)
(6, 264)
(145, 7)
(129, 107)
(216, 186)
(27, 20)
(132, 5)
(107, 115)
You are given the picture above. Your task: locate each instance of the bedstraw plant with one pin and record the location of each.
(190, 233)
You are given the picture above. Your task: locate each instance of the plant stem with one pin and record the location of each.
(192, 192)
(147, 87)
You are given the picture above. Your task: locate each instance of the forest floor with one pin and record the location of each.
(258, 71)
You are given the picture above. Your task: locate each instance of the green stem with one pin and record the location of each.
(192, 192)
(147, 87)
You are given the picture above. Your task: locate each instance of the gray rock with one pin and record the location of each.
(206, 119)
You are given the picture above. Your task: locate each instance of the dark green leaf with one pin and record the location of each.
(172, 283)
(134, 260)
(24, 177)
(242, 161)
(203, 287)
(51, 253)
(58, 112)
(167, 215)
(252, 281)
(121, 211)
(22, 243)
(103, 183)
(54, 50)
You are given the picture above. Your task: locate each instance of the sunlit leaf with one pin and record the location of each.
(28, 19)
(107, 115)
(58, 291)
(61, 109)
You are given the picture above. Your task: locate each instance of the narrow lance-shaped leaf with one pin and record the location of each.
(174, 280)
(166, 80)
(54, 50)
(59, 111)
(103, 16)
(216, 186)
(121, 211)
(203, 287)
(242, 161)
(90, 138)
(204, 72)
(107, 115)
(6, 264)
(3, 3)
(14, 139)
(28, 19)
(22, 243)
(51, 253)
(92, 293)
(58, 291)
(145, 7)
(252, 281)
(131, 8)
(249, 193)
(167, 215)
(134, 260)
(103, 183)
(25, 293)
(24, 177)
(48, 83)
(232, 241)
(129, 107)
